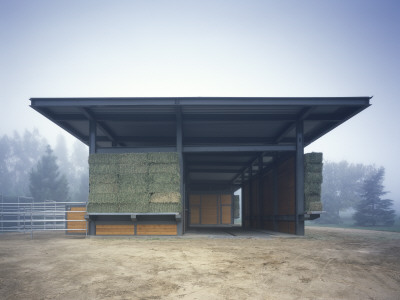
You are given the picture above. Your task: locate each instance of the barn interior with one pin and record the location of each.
(224, 144)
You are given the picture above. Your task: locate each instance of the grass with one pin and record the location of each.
(347, 222)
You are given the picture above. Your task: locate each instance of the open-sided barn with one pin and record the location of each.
(161, 165)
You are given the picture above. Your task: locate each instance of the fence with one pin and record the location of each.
(22, 214)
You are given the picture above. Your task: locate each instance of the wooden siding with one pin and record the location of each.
(210, 209)
(73, 216)
(112, 229)
(226, 212)
(260, 214)
(157, 229)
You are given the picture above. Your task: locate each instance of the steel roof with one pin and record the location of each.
(217, 131)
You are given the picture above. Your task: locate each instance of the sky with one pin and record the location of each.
(210, 48)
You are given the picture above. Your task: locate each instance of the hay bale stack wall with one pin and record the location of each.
(312, 181)
(134, 182)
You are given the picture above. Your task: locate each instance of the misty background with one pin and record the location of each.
(205, 48)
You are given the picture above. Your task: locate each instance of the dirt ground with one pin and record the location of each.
(325, 264)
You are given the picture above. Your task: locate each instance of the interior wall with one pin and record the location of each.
(210, 209)
(269, 201)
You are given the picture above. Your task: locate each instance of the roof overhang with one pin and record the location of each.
(235, 130)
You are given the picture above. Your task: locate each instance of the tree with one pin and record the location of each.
(18, 154)
(46, 182)
(372, 210)
(340, 188)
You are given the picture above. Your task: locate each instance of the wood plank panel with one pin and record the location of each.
(194, 199)
(112, 229)
(77, 213)
(209, 213)
(226, 199)
(194, 215)
(226, 214)
(157, 229)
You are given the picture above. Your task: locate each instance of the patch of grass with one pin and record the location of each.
(394, 228)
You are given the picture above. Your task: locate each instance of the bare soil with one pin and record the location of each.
(325, 264)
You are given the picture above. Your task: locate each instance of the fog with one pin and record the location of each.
(209, 48)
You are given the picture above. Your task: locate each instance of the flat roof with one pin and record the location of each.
(219, 133)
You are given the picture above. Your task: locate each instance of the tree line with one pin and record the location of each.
(30, 167)
(358, 187)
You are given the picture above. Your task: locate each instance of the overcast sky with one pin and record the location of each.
(210, 48)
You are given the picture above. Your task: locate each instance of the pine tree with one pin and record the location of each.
(46, 182)
(372, 210)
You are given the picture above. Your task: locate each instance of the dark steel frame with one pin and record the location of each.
(296, 122)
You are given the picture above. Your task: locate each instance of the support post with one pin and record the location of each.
(92, 136)
(251, 196)
(275, 195)
(179, 149)
(260, 193)
(299, 207)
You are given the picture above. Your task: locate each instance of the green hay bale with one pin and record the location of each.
(162, 188)
(312, 189)
(103, 169)
(163, 157)
(164, 178)
(103, 158)
(313, 178)
(103, 198)
(168, 197)
(103, 178)
(133, 158)
(106, 188)
(313, 157)
(236, 208)
(312, 198)
(314, 206)
(313, 168)
(131, 169)
(165, 207)
(133, 180)
(172, 169)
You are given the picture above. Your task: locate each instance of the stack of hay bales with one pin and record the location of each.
(134, 182)
(236, 206)
(312, 181)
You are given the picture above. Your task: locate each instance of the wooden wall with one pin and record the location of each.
(269, 202)
(76, 220)
(210, 209)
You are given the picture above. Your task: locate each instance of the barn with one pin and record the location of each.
(161, 165)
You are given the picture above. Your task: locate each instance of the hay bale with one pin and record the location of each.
(163, 158)
(171, 169)
(104, 188)
(236, 208)
(313, 157)
(314, 206)
(313, 198)
(134, 182)
(313, 180)
(168, 197)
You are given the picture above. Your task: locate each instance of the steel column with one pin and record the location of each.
(260, 192)
(275, 195)
(179, 148)
(299, 207)
(92, 136)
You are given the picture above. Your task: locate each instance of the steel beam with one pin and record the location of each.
(192, 149)
(134, 150)
(201, 101)
(299, 206)
(90, 116)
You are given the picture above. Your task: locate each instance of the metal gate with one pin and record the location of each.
(22, 214)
